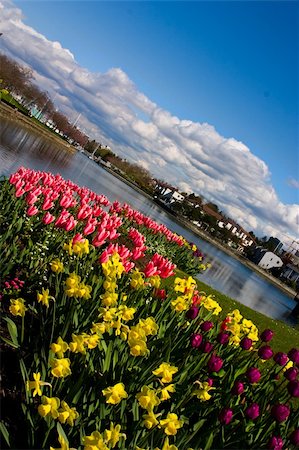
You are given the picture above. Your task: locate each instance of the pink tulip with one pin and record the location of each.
(48, 218)
(32, 210)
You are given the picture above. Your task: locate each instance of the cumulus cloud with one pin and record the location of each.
(190, 155)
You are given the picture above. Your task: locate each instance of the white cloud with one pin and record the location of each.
(293, 183)
(192, 155)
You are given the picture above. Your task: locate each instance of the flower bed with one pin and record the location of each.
(98, 354)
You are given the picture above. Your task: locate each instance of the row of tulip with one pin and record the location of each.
(104, 355)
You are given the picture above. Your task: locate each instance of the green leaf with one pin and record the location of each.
(8, 342)
(61, 433)
(13, 331)
(209, 442)
(4, 432)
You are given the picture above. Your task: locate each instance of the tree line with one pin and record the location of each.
(19, 80)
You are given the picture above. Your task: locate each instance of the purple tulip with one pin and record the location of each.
(196, 340)
(215, 363)
(206, 326)
(225, 416)
(267, 335)
(291, 373)
(281, 358)
(275, 443)
(246, 343)
(294, 355)
(293, 388)
(223, 338)
(252, 411)
(192, 313)
(280, 412)
(294, 437)
(238, 388)
(265, 352)
(206, 347)
(253, 375)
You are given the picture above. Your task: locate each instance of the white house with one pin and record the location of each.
(270, 260)
(168, 194)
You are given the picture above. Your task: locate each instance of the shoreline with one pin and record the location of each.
(275, 281)
(9, 113)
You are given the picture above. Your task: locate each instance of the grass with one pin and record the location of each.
(285, 337)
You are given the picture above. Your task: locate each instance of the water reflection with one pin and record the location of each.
(19, 146)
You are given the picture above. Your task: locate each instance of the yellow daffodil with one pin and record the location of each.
(150, 420)
(63, 443)
(56, 266)
(109, 298)
(149, 326)
(171, 424)
(138, 347)
(155, 281)
(211, 305)
(60, 367)
(66, 414)
(92, 341)
(202, 391)
(17, 307)
(77, 345)
(60, 347)
(167, 446)
(147, 398)
(137, 281)
(181, 303)
(126, 313)
(49, 407)
(165, 371)
(113, 435)
(115, 394)
(44, 297)
(94, 441)
(98, 328)
(36, 384)
(81, 248)
(165, 392)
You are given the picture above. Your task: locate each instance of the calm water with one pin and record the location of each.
(21, 147)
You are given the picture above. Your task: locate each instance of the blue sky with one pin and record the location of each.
(202, 94)
(231, 64)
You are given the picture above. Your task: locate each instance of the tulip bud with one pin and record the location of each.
(291, 373)
(294, 355)
(280, 412)
(267, 335)
(192, 313)
(252, 411)
(238, 388)
(215, 363)
(225, 416)
(265, 352)
(223, 338)
(253, 375)
(196, 340)
(246, 343)
(275, 443)
(294, 437)
(293, 388)
(206, 326)
(281, 358)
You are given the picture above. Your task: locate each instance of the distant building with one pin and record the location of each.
(275, 244)
(291, 273)
(168, 194)
(246, 240)
(265, 259)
